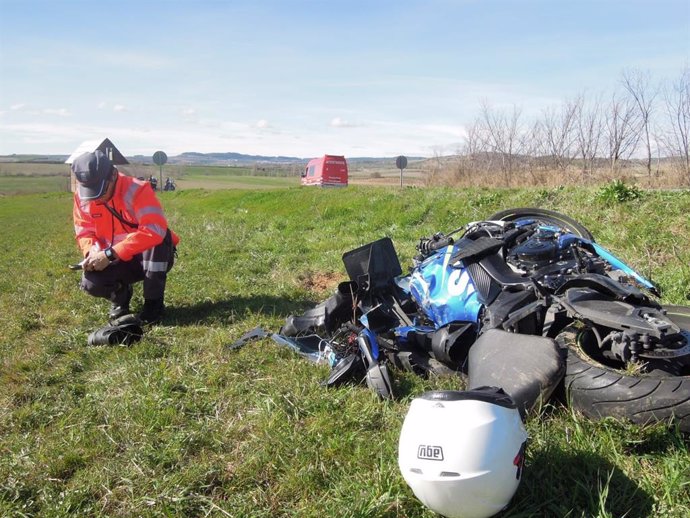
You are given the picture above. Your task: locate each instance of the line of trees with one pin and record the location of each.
(588, 134)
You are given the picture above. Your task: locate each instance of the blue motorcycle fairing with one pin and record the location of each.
(444, 293)
(620, 265)
(371, 337)
(402, 332)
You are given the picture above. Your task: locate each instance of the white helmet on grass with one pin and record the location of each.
(462, 453)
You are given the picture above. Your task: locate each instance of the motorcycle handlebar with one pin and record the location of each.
(435, 242)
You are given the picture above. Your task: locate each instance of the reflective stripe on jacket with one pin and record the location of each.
(136, 202)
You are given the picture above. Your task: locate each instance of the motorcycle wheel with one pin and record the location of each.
(546, 216)
(598, 390)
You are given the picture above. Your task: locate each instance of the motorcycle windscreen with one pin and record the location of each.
(374, 265)
(445, 294)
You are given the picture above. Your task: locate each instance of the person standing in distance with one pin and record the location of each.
(123, 235)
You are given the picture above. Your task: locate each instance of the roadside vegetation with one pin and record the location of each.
(639, 131)
(177, 425)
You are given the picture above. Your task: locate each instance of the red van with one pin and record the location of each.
(327, 171)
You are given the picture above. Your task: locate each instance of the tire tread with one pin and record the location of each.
(639, 399)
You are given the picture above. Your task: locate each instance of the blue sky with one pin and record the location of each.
(304, 78)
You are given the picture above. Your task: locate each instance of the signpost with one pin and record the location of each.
(401, 163)
(160, 158)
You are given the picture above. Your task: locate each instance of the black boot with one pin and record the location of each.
(152, 312)
(120, 302)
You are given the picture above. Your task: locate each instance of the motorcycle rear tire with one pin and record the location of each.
(545, 215)
(600, 391)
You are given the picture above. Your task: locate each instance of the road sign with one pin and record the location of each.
(160, 158)
(401, 163)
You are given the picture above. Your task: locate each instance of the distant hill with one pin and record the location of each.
(192, 157)
(36, 159)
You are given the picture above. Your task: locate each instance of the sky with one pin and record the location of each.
(305, 78)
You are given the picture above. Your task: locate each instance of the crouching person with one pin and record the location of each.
(124, 237)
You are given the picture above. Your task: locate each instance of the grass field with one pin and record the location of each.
(177, 425)
(213, 181)
(23, 178)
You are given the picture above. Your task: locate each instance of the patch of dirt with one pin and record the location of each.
(320, 281)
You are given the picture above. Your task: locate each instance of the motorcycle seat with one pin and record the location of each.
(527, 367)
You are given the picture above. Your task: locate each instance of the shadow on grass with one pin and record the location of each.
(557, 482)
(209, 312)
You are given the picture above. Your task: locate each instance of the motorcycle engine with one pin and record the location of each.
(540, 249)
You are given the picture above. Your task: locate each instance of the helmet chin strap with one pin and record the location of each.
(110, 185)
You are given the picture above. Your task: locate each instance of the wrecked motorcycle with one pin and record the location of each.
(523, 300)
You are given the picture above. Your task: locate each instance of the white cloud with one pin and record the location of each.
(120, 108)
(102, 105)
(263, 123)
(188, 112)
(338, 122)
(17, 107)
(62, 112)
(444, 129)
(370, 138)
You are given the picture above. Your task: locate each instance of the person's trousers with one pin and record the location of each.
(151, 266)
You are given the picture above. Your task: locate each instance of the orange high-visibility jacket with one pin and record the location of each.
(136, 202)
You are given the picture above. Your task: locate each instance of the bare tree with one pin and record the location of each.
(677, 139)
(503, 135)
(475, 139)
(638, 86)
(558, 131)
(535, 143)
(475, 146)
(534, 147)
(622, 130)
(588, 132)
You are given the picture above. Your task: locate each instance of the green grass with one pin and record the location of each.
(27, 178)
(178, 426)
(234, 181)
(26, 185)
